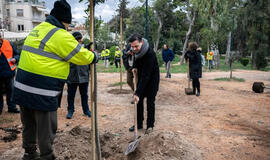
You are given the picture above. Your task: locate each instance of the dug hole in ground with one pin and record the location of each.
(228, 121)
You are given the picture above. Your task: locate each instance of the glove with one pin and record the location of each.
(96, 57)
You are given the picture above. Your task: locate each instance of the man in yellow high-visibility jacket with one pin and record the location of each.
(117, 57)
(105, 54)
(43, 68)
(209, 57)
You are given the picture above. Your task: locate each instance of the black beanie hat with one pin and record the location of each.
(77, 35)
(62, 11)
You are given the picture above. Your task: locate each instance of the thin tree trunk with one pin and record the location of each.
(187, 37)
(158, 33)
(228, 48)
(217, 57)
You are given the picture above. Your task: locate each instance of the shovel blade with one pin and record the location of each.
(132, 146)
(189, 91)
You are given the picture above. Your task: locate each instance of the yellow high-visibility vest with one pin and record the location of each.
(48, 50)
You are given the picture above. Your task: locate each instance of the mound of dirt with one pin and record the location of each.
(10, 134)
(76, 145)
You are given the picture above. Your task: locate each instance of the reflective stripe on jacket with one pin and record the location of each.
(44, 66)
(7, 50)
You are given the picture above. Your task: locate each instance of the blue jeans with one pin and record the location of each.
(72, 87)
(7, 84)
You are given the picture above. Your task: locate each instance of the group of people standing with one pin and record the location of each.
(51, 57)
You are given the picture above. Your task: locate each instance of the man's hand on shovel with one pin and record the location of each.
(136, 98)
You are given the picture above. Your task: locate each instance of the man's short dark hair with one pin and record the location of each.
(135, 37)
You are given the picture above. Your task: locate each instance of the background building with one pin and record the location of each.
(21, 15)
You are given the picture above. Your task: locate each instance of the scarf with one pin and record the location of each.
(143, 50)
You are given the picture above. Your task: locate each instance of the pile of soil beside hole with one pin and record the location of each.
(10, 134)
(76, 145)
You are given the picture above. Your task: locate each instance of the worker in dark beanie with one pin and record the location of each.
(62, 11)
(42, 72)
(77, 35)
(78, 78)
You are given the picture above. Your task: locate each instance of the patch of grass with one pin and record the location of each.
(237, 65)
(177, 68)
(118, 84)
(228, 79)
(111, 69)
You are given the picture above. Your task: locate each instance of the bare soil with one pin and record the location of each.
(228, 121)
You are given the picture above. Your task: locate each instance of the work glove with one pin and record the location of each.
(96, 57)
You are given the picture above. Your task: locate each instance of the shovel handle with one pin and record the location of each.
(135, 103)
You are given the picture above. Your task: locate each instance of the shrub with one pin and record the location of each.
(260, 60)
(244, 61)
(112, 52)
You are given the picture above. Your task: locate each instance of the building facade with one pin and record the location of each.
(21, 15)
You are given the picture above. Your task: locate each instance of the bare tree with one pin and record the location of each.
(191, 23)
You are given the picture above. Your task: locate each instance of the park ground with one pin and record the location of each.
(228, 121)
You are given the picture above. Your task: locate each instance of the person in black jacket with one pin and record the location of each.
(147, 69)
(78, 77)
(9, 57)
(195, 64)
(167, 56)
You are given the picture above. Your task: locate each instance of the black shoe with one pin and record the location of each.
(69, 115)
(198, 94)
(87, 113)
(15, 110)
(31, 156)
(131, 129)
(0, 112)
(149, 130)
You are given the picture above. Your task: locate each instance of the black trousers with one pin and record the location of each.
(72, 88)
(196, 84)
(117, 62)
(150, 111)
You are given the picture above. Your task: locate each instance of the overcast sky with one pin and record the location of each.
(105, 10)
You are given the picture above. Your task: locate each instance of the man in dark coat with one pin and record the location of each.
(78, 77)
(195, 64)
(167, 56)
(147, 69)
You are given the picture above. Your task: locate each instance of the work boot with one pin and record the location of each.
(132, 128)
(87, 113)
(31, 156)
(69, 115)
(13, 110)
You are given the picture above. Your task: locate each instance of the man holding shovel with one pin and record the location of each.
(147, 69)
